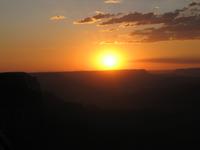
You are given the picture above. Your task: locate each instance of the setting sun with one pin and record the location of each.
(109, 61)
(90, 74)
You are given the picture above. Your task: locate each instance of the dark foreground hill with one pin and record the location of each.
(20, 108)
(193, 72)
(29, 119)
(99, 110)
(137, 89)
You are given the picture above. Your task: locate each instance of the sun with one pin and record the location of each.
(108, 58)
(109, 61)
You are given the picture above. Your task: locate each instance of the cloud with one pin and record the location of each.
(112, 1)
(109, 30)
(127, 25)
(188, 29)
(96, 18)
(136, 18)
(57, 18)
(116, 42)
(170, 60)
(180, 24)
(111, 43)
(88, 20)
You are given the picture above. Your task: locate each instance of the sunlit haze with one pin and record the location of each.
(57, 35)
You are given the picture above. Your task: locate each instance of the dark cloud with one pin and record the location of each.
(57, 18)
(193, 9)
(95, 18)
(88, 20)
(136, 18)
(181, 24)
(170, 60)
(112, 1)
(187, 28)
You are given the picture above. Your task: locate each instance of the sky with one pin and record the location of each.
(69, 35)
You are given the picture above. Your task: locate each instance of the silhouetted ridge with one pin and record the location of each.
(33, 119)
(92, 87)
(195, 72)
(124, 109)
(19, 80)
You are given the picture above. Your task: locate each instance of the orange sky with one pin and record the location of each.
(51, 36)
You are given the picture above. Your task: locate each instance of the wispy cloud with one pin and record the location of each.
(88, 20)
(110, 43)
(116, 42)
(112, 1)
(170, 60)
(96, 18)
(109, 30)
(57, 18)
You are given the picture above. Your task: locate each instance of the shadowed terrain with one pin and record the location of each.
(132, 109)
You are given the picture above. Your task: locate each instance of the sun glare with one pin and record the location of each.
(109, 61)
(109, 58)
